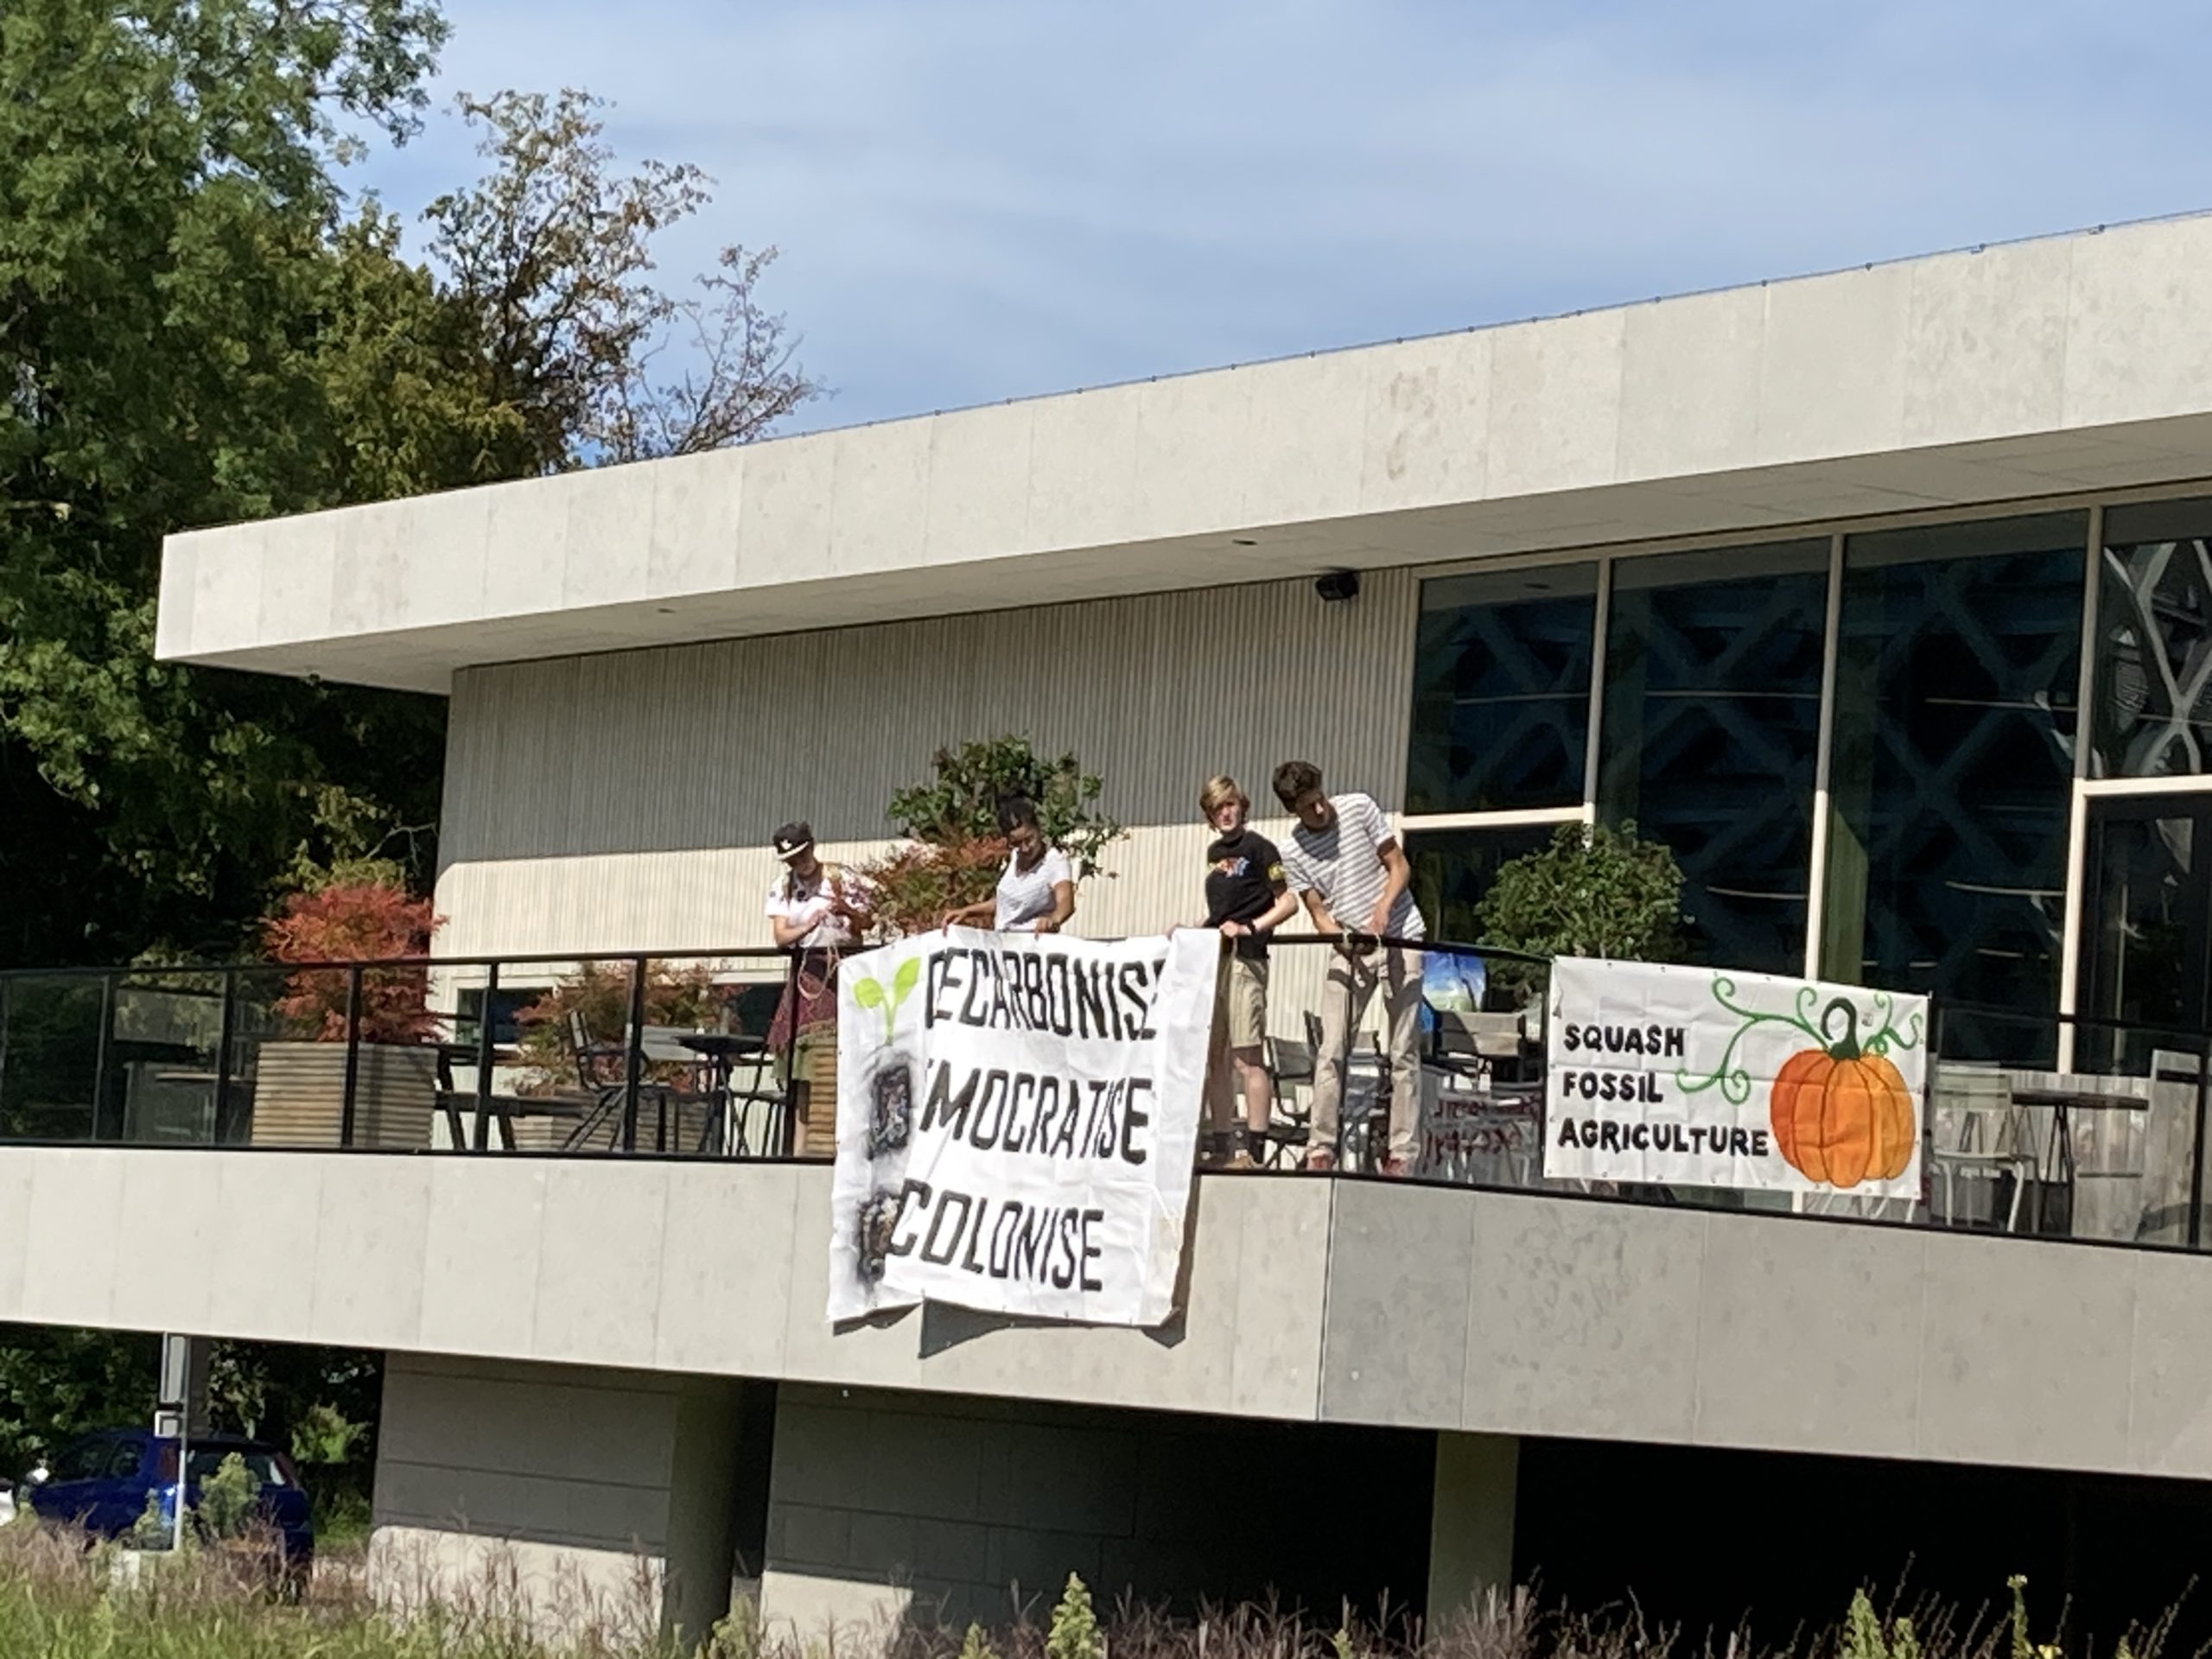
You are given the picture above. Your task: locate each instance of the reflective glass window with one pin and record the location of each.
(1454, 868)
(1956, 681)
(1712, 735)
(2152, 697)
(1502, 690)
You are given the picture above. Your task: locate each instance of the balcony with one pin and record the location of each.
(681, 1056)
(510, 1186)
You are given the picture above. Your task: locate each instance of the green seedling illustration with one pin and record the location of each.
(870, 993)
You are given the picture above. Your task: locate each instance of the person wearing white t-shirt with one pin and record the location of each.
(1344, 860)
(1036, 891)
(811, 904)
(817, 911)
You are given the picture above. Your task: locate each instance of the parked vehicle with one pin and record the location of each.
(7, 1502)
(102, 1481)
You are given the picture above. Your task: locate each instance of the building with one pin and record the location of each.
(1881, 596)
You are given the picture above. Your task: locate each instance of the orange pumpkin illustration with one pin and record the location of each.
(1842, 1117)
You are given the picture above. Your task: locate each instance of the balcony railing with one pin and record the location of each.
(2035, 1124)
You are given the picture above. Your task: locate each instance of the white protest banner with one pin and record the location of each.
(1017, 1117)
(1699, 1076)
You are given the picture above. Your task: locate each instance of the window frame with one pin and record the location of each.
(2084, 786)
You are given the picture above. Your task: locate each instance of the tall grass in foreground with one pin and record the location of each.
(60, 1600)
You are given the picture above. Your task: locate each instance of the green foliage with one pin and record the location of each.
(1075, 1633)
(975, 1645)
(228, 1499)
(961, 802)
(151, 1530)
(576, 300)
(1594, 892)
(1864, 1638)
(320, 1403)
(737, 1634)
(57, 1383)
(193, 332)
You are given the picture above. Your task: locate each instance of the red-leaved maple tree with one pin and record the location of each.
(359, 922)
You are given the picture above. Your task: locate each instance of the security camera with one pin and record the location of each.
(1336, 586)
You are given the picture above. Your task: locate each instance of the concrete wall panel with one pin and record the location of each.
(1361, 1303)
(1812, 1335)
(625, 801)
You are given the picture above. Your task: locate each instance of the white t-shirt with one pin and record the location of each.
(808, 904)
(1026, 895)
(1344, 864)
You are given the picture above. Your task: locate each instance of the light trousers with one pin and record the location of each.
(1352, 984)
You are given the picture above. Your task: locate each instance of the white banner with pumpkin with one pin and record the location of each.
(1699, 1076)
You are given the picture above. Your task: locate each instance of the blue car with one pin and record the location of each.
(102, 1482)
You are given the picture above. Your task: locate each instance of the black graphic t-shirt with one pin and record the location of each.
(1243, 873)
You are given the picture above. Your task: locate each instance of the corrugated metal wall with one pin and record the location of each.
(623, 801)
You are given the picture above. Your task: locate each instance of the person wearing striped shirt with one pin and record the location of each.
(1344, 860)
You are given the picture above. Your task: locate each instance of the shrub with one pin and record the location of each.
(961, 802)
(1075, 1633)
(354, 922)
(957, 851)
(228, 1499)
(1594, 892)
(910, 888)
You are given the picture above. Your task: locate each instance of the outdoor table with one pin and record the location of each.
(721, 1051)
(2087, 1152)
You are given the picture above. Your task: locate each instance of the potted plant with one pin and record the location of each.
(1595, 891)
(299, 1081)
(954, 851)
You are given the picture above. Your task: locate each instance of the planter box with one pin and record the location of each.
(816, 1130)
(299, 1095)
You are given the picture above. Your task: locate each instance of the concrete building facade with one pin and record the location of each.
(1884, 597)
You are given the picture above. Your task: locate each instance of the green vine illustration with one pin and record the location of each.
(1734, 1082)
(870, 993)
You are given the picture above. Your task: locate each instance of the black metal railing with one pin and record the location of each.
(2035, 1124)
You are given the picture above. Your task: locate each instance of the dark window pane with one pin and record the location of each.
(49, 1056)
(1502, 690)
(2151, 700)
(1954, 730)
(1454, 868)
(1712, 735)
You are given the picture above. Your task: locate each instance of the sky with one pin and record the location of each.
(978, 199)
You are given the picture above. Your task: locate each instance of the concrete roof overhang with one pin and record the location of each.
(2022, 372)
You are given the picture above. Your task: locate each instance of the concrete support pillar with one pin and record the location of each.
(1471, 1528)
(574, 1496)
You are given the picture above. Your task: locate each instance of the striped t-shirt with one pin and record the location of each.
(1344, 864)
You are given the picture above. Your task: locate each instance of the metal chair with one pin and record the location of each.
(1993, 1138)
(1289, 1120)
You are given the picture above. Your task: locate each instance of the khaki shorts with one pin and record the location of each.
(1241, 1001)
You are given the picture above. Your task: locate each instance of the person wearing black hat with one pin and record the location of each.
(810, 903)
(817, 911)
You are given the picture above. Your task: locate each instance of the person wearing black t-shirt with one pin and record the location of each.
(1247, 899)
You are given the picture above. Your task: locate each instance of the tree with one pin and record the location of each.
(165, 200)
(1593, 892)
(354, 921)
(194, 331)
(549, 255)
(57, 1383)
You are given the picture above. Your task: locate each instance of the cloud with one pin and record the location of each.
(978, 199)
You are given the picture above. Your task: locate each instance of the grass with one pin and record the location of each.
(61, 1598)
